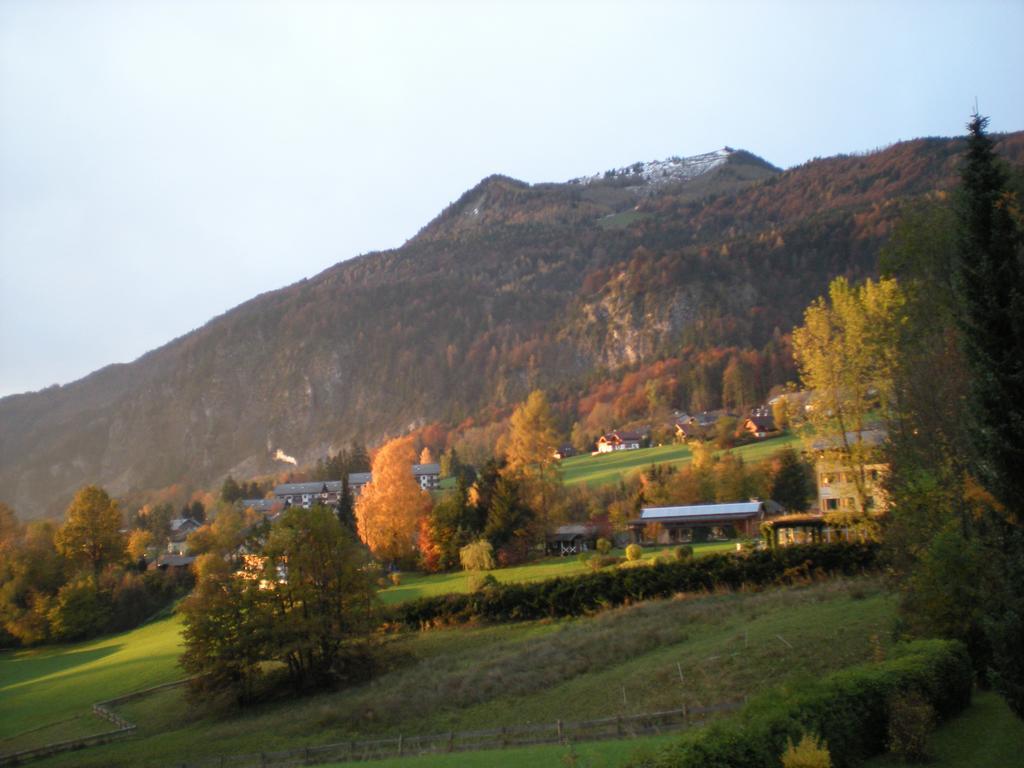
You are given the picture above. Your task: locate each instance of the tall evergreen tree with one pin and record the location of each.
(991, 282)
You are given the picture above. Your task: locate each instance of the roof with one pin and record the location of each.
(426, 469)
(762, 423)
(708, 513)
(359, 478)
(174, 561)
(324, 486)
(179, 523)
(623, 435)
(259, 505)
(795, 521)
(578, 529)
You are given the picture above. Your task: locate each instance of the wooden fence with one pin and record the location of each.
(558, 732)
(100, 709)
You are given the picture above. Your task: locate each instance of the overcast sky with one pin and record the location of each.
(161, 162)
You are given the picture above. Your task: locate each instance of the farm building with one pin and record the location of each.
(572, 539)
(699, 522)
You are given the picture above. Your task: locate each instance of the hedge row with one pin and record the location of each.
(849, 710)
(577, 595)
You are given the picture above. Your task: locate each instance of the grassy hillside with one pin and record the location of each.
(608, 468)
(45, 695)
(623, 661)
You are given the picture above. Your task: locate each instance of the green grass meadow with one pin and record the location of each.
(606, 468)
(416, 585)
(622, 661)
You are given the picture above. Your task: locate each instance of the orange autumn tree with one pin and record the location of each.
(389, 509)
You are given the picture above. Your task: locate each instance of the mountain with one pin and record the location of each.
(512, 286)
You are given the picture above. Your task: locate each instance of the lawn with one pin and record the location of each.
(606, 468)
(48, 693)
(622, 661)
(598, 754)
(416, 585)
(987, 735)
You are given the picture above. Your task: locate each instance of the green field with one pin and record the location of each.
(622, 661)
(49, 692)
(606, 468)
(416, 585)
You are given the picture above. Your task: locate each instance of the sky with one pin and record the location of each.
(162, 162)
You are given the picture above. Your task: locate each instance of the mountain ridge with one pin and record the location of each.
(547, 285)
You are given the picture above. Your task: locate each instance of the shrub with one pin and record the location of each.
(911, 721)
(396, 578)
(477, 556)
(634, 552)
(850, 709)
(597, 562)
(482, 581)
(634, 581)
(684, 553)
(809, 753)
(604, 546)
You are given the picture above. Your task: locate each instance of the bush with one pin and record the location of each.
(481, 581)
(396, 578)
(911, 721)
(477, 556)
(809, 753)
(634, 552)
(604, 546)
(850, 709)
(597, 562)
(578, 595)
(684, 553)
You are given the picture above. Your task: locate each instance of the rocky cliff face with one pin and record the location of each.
(513, 286)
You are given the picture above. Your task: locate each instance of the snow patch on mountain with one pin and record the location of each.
(672, 170)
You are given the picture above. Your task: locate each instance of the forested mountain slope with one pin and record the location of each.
(512, 286)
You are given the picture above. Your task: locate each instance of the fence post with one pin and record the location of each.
(618, 725)
(399, 745)
(558, 727)
(686, 715)
(451, 741)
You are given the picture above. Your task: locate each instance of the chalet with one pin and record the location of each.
(697, 522)
(837, 480)
(687, 430)
(620, 440)
(760, 424)
(572, 539)
(797, 529)
(180, 529)
(564, 451)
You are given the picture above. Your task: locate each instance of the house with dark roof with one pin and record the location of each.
(698, 522)
(307, 494)
(620, 440)
(760, 425)
(572, 539)
(427, 475)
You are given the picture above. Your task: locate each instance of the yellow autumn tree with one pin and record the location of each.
(389, 509)
(530, 451)
(846, 351)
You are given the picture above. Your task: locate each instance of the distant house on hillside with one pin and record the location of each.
(181, 529)
(837, 482)
(620, 440)
(169, 562)
(306, 495)
(687, 430)
(572, 539)
(698, 522)
(760, 425)
(359, 480)
(564, 451)
(428, 475)
(265, 507)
